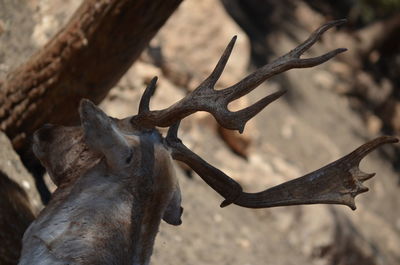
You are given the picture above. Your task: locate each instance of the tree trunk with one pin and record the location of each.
(84, 60)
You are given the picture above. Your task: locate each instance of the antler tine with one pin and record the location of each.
(212, 79)
(206, 98)
(336, 183)
(172, 134)
(237, 120)
(299, 50)
(144, 105)
(286, 62)
(357, 155)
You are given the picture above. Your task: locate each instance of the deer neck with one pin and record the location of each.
(153, 198)
(144, 230)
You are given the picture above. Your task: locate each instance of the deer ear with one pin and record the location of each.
(102, 136)
(173, 212)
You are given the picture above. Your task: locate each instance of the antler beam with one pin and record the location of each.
(336, 183)
(206, 98)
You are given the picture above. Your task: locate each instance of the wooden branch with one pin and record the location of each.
(85, 59)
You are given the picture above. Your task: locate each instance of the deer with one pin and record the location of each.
(115, 178)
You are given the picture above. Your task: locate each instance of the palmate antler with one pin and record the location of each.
(336, 183)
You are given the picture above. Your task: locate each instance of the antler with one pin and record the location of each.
(206, 98)
(336, 183)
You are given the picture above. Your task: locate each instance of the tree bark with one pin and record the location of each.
(84, 60)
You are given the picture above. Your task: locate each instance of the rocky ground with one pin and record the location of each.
(309, 127)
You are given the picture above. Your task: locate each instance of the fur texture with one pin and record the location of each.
(115, 184)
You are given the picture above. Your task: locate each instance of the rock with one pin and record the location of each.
(395, 117)
(188, 46)
(50, 18)
(19, 202)
(373, 124)
(11, 165)
(17, 25)
(15, 216)
(2, 27)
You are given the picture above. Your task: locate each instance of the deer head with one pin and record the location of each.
(115, 179)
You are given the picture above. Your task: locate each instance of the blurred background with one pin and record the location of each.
(329, 110)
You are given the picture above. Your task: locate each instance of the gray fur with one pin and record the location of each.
(115, 184)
